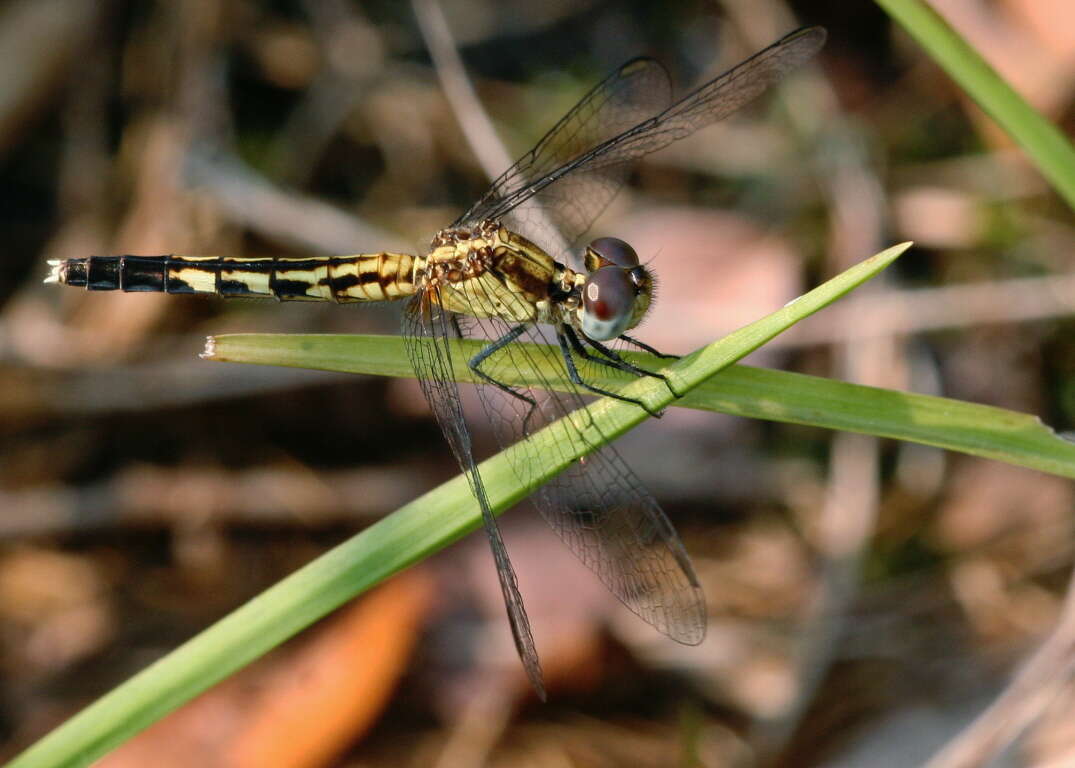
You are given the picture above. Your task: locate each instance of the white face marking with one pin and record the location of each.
(603, 330)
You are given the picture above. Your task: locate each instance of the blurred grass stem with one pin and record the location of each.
(1046, 145)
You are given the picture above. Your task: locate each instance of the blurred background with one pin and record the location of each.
(867, 598)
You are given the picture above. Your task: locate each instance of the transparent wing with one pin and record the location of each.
(636, 91)
(597, 506)
(430, 334)
(575, 171)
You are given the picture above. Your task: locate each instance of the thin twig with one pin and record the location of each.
(468, 109)
(471, 115)
(147, 496)
(288, 217)
(895, 312)
(1041, 678)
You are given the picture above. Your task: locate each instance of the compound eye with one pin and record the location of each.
(608, 298)
(615, 251)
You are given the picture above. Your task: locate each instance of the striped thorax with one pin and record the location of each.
(490, 271)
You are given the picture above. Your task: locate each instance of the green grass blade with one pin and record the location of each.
(978, 430)
(1044, 142)
(412, 532)
(740, 390)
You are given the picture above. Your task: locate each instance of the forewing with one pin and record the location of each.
(431, 336)
(636, 91)
(572, 182)
(597, 505)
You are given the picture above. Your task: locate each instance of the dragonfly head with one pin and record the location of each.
(617, 291)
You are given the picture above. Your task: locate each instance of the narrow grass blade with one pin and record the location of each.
(1046, 145)
(741, 390)
(978, 430)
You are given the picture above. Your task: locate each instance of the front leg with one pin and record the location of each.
(616, 361)
(647, 348)
(610, 359)
(563, 334)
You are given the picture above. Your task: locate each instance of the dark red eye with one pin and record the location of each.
(615, 251)
(608, 299)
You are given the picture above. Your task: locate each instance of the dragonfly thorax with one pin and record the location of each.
(491, 271)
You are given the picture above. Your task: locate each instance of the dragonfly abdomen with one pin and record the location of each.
(362, 277)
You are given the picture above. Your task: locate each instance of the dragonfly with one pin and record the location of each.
(508, 274)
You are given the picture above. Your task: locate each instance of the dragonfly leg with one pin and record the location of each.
(488, 351)
(573, 373)
(624, 365)
(613, 359)
(610, 359)
(647, 348)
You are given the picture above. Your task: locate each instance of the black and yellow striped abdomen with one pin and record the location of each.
(362, 277)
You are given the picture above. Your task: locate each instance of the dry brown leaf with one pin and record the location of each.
(333, 689)
(301, 707)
